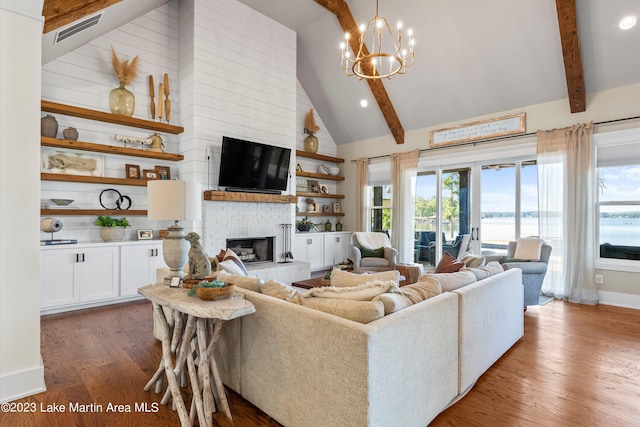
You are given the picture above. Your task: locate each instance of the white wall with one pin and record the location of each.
(84, 78)
(602, 106)
(21, 370)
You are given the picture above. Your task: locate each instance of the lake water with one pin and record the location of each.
(617, 231)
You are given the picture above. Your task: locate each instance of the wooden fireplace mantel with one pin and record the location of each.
(228, 196)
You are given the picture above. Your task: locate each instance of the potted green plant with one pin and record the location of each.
(112, 228)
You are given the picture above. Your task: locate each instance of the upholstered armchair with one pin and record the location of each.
(533, 272)
(422, 241)
(455, 249)
(373, 252)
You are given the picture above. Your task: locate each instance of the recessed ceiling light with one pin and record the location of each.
(627, 22)
(364, 103)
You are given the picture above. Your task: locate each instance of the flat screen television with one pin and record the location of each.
(251, 166)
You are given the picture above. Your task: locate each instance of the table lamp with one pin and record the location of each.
(177, 201)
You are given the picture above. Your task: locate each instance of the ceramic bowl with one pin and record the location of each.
(334, 170)
(62, 202)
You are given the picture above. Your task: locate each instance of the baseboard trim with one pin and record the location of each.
(22, 384)
(619, 300)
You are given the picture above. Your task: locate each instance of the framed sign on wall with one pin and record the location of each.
(484, 129)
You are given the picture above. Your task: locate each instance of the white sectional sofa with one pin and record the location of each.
(305, 367)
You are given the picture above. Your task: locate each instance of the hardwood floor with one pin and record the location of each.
(576, 365)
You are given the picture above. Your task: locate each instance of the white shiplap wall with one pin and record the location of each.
(238, 79)
(84, 78)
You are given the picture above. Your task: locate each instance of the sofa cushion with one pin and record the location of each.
(358, 311)
(408, 295)
(372, 253)
(246, 282)
(452, 281)
(448, 264)
(231, 263)
(528, 248)
(493, 267)
(275, 289)
(341, 278)
(363, 292)
(471, 260)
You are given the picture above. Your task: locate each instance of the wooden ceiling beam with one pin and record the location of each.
(567, 24)
(348, 24)
(58, 13)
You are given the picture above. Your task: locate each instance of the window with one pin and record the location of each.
(379, 208)
(618, 199)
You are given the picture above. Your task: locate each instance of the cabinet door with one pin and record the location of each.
(138, 267)
(299, 247)
(97, 273)
(58, 283)
(336, 248)
(309, 248)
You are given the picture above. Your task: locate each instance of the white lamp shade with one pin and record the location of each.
(173, 200)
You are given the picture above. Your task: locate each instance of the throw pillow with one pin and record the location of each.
(453, 281)
(372, 253)
(494, 267)
(363, 292)
(425, 288)
(231, 263)
(281, 291)
(341, 279)
(471, 260)
(528, 248)
(448, 264)
(246, 282)
(358, 311)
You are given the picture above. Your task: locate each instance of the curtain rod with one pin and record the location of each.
(498, 138)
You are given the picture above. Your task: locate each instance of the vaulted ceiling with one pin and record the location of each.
(472, 58)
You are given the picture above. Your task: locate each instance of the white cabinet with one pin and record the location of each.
(309, 248)
(138, 266)
(321, 250)
(92, 274)
(79, 274)
(336, 248)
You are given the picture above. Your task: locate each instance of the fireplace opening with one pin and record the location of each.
(253, 249)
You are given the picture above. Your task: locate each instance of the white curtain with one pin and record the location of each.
(566, 197)
(404, 169)
(362, 178)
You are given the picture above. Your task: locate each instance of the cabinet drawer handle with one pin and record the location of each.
(309, 241)
(79, 257)
(338, 239)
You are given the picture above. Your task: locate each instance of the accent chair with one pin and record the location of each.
(372, 251)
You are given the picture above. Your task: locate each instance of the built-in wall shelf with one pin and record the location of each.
(92, 179)
(319, 195)
(109, 149)
(97, 212)
(318, 214)
(231, 196)
(320, 176)
(54, 107)
(320, 157)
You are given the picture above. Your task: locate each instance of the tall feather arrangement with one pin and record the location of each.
(310, 123)
(125, 71)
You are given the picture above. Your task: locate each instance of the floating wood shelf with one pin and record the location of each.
(54, 107)
(318, 214)
(321, 157)
(320, 195)
(228, 196)
(97, 212)
(92, 179)
(320, 176)
(109, 149)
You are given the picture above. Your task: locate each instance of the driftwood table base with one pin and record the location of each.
(190, 337)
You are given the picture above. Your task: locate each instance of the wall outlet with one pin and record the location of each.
(599, 279)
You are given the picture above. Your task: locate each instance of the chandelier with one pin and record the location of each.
(387, 57)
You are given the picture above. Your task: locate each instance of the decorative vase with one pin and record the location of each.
(70, 133)
(327, 226)
(311, 144)
(49, 126)
(122, 102)
(338, 226)
(112, 234)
